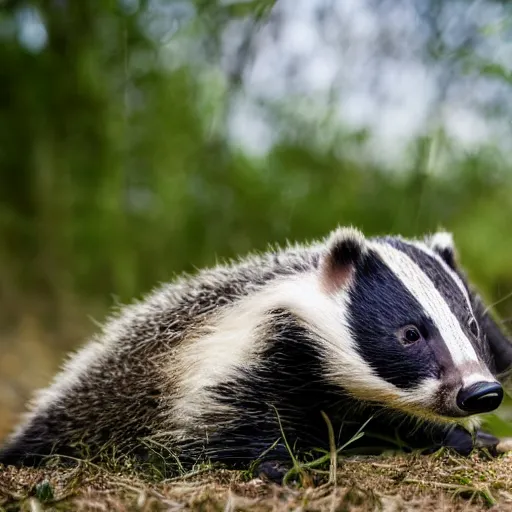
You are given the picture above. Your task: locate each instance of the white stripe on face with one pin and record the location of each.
(424, 291)
(458, 281)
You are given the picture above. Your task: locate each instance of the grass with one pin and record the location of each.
(394, 482)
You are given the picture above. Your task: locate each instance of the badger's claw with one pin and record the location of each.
(504, 445)
(488, 442)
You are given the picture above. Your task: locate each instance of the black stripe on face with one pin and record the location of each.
(442, 280)
(380, 305)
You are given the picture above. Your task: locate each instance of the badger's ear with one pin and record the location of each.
(344, 249)
(442, 244)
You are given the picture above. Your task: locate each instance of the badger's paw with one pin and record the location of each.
(272, 470)
(462, 442)
(459, 440)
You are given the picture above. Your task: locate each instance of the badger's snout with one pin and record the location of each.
(480, 397)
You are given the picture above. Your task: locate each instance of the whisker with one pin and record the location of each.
(499, 301)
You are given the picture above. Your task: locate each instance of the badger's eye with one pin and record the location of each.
(409, 335)
(473, 327)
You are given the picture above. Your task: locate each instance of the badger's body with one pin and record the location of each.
(221, 365)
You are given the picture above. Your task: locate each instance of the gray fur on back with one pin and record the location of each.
(114, 392)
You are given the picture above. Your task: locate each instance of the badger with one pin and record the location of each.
(245, 362)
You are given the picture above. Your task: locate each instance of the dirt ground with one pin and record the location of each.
(394, 483)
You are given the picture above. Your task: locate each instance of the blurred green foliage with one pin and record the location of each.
(117, 172)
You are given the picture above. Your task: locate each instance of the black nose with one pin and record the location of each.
(480, 397)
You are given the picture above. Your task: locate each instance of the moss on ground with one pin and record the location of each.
(394, 483)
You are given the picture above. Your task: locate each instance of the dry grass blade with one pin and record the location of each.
(472, 490)
(333, 466)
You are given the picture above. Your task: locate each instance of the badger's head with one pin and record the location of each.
(410, 338)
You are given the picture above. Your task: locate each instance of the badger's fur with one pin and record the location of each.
(219, 366)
